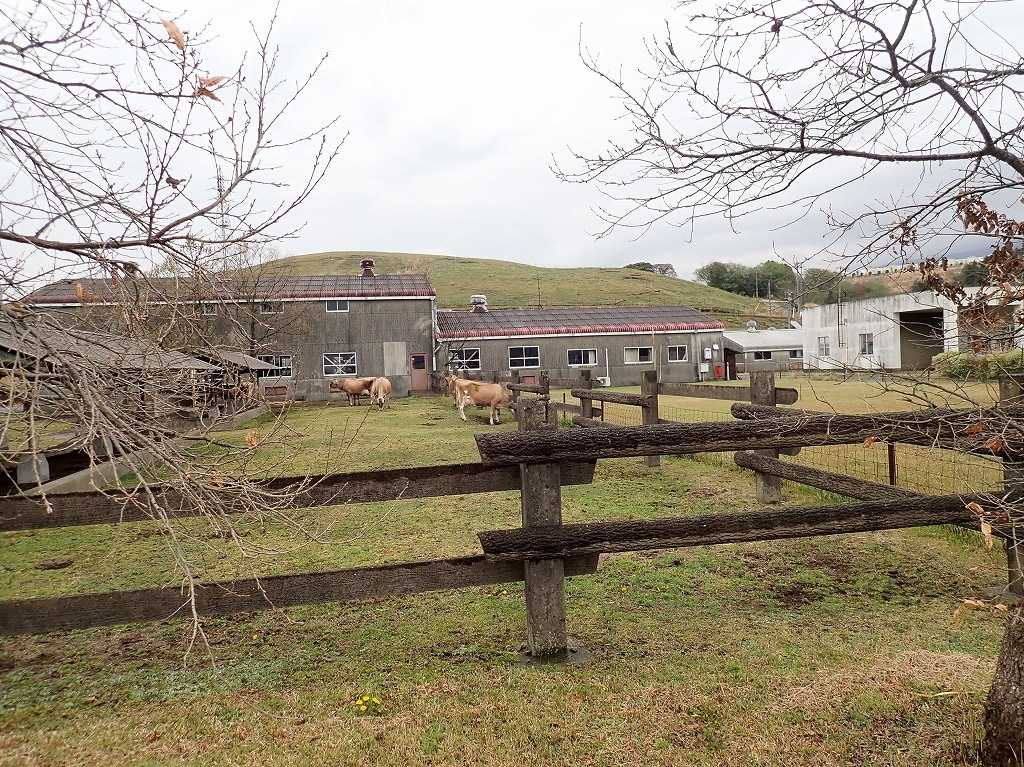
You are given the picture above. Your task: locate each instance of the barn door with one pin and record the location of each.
(419, 375)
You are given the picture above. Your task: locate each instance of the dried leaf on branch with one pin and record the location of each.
(174, 33)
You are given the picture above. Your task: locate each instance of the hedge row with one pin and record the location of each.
(979, 366)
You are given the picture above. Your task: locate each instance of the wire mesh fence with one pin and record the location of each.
(914, 467)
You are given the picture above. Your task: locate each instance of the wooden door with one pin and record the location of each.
(419, 373)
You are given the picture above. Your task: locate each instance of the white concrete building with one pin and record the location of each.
(901, 332)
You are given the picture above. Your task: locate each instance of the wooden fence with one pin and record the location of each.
(538, 461)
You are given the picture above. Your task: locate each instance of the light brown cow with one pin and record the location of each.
(481, 394)
(353, 387)
(380, 393)
(15, 392)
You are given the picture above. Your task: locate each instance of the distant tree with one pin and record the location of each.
(712, 274)
(643, 266)
(974, 274)
(667, 269)
(779, 276)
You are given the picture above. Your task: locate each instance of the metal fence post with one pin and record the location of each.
(545, 578)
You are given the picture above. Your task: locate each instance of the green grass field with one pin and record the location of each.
(840, 650)
(509, 284)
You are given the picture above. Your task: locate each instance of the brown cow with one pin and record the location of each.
(15, 392)
(481, 394)
(380, 393)
(353, 387)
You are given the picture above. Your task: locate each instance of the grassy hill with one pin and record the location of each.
(509, 285)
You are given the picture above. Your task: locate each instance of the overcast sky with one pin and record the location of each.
(456, 111)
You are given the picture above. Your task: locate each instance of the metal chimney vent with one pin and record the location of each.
(367, 266)
(479, 303)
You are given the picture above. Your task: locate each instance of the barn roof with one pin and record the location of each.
(235, 288)
(58, 346)
(239, 359)
(497, 323)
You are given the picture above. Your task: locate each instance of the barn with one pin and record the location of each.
(616, 343)
(307, 329)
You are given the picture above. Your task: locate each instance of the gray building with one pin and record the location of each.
(616, 343)
(769, 349)
(310, 329)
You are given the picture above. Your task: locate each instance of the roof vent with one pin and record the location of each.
(367, 266)
(479, 303)
(751, 326)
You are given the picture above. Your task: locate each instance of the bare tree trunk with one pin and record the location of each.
(1003, 745)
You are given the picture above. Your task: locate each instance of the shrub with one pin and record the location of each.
(979, 366)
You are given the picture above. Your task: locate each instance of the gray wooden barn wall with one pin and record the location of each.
(554, 351)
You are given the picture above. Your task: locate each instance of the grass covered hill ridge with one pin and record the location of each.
(511, 285)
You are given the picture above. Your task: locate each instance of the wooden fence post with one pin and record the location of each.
(586, 404)
(649, 385)
(545, 578)
(768, 489)
(1013, 492)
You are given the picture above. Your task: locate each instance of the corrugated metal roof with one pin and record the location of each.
(164, 289)
(239, 359)
(764, 340)
(571, 321)
(57, 346)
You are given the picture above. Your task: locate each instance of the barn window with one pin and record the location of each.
(867, 343)
(582, 357)
(464, 359)
(763, 356)
(524, 357)
(638, 355)
(823, 348)
(282, 366)
(207, 309)
(796, 354)
(271, 307)
(340, 364)
(678, 353)
(337, 305)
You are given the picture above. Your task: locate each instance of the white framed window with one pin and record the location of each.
(282, 366)
(796, 354)
(271, 307)
(523, 357)
(339, 364)
(581, 357)
(824, 350)
(468, 359)
(763, 356)
(207, 309)
(638, 355)
(867, 343)
(337, 305)
(678, 353)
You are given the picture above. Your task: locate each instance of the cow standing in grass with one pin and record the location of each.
(353, 387)
(380, 393)
(492, 395)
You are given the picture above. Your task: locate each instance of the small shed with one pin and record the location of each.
(769, 349)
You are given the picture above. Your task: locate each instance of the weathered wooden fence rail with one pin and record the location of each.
(538, 462)
(302, 492)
